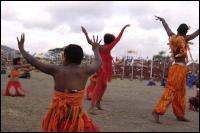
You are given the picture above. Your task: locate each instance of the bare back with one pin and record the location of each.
(69, 78)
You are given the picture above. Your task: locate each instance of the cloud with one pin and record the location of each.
(7, 12)
(56, 24)
(75, 14)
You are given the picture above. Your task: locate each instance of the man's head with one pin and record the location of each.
(73, 54)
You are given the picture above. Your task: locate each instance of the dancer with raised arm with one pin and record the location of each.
(104, 74)
(14, 87)
(175, 91)
(66, 114)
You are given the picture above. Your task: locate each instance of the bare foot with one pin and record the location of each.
(183, 119)
(99, 108)
(156, 117)
(92, 112)
(98, 105)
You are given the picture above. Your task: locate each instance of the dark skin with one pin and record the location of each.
(89, 40)
(182, 59)
(78, 75)
(170, 33)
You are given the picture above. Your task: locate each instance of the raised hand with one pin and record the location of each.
(159, 18)
(21, 42)
(95, 43)
(165, 25)
(86, 35)
(128, 25)
(84, 30)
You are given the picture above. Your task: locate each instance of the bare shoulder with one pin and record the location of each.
(84, 70)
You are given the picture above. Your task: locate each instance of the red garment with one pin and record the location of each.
(14, 85)
(91, 87)
(104, 74)
(106, 66)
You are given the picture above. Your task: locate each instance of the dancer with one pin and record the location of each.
(175, 91)
(14, 87)
(66, 113)
(104, 74)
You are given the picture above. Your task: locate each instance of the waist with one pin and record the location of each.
(181, 59)
(66, 98)
(14, 79)
(62, 90)
(179, 63)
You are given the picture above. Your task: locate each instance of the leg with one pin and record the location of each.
(156, 117)
(93, 101)
(179, 102)
(98, 105)
(20, 91)
(179, 106)
(168, 95)
(95, 96)
(163, 103)
(91, 110)
(12, 91)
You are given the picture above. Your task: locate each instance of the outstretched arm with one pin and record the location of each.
(110, 46)
(192, 36)
(92, 68)
(48, 69)
(165, 25)
(86, 35)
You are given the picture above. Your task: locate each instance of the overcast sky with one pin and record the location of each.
(56, 24)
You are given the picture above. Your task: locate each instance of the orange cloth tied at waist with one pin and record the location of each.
(65, 113)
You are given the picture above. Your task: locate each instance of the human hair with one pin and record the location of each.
(16, 60)
(182, 29)
(73, 53)
(108, 38)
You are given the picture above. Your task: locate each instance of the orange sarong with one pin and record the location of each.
(66, 114)
(175, 92)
